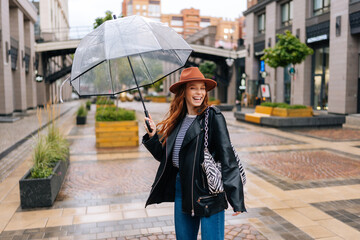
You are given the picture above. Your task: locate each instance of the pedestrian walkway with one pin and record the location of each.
(302, 184)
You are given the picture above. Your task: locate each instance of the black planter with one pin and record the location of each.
(42, 192)
(80, 120)
(238, 107)
(88, 107)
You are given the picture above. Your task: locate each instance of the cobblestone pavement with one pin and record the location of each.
(302, 184)
(337, 134)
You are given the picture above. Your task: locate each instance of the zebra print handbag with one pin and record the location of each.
(212, 169)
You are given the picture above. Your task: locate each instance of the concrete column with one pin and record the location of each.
(270, 36)
(30, 76)
(6, 83)
(301, 82)
(343, 63)
(231, 97)
(251, 67)
(17, 32)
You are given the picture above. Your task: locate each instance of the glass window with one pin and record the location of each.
(137, 7)
(204, 24)
(176, 23)
(261, 23)
(321, 6)
(226, 30)
(286, 13)
(144, 7)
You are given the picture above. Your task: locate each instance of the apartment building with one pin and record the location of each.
(52, 25)
(147, 8)
(17, 85)
(328, 80)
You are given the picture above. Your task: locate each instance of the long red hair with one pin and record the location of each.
(177, 112)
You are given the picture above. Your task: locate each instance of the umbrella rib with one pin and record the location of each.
(112, 84)
(147, 70)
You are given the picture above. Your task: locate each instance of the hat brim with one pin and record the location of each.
(209, 83)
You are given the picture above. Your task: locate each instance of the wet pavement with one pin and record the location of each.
(302, 184)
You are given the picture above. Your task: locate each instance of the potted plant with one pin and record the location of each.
(116, 127)
(41, 184)
(88, 105)
(81, 115)
(104, 102)
(284, 110)
(214, 101)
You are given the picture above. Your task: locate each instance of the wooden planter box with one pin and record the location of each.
(283, 112)
(214, 102)
(157, 99)
(105, 105)
(42, 192)
(264, 110)
(80, 120)
(117, 134)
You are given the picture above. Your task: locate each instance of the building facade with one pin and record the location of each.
(17, 85)
(329, 79)
(147, 8)
(52, 25)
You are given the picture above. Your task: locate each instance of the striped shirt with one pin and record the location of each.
(188, 120)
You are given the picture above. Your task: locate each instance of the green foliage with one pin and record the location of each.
(58, 145)
(212, 99)
(81, 112)
(288, 50)
(158, 84)
(88, 104)
(282, 105)
(104, 101)
(100, 20)
(108, 114)
(208, 68)
(48, 151)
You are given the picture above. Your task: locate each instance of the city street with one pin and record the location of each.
(302, 184)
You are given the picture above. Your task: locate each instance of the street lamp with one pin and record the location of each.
(229, 61)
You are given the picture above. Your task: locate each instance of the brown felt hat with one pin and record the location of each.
(192, 74)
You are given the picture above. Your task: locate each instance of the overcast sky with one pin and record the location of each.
(84, 12)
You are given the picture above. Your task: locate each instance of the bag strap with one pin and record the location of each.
(206, 143)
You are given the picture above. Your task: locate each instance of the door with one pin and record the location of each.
(320, 78)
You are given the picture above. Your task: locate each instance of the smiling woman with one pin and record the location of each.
(178, 145)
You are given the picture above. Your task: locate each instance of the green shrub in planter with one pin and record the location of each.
(104, 101)
(48, 151)
(282, 105)
(107, 114)
(81, 112)
(88, 105)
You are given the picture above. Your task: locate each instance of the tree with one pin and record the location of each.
(288, 50)
(208, 68)
(100, 20)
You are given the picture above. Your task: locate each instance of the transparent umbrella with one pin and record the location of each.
(125, 54)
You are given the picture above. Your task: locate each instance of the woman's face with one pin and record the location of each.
(195, 93)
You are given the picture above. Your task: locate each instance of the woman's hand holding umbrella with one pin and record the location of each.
(152, 126)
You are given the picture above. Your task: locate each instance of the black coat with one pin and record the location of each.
(195, 194)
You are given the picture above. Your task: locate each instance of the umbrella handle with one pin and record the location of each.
(61, 87)
(147, 122)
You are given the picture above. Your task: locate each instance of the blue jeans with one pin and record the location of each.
(187, 227)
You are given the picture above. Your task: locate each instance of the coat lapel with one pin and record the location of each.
(171, 139)
(193, 131)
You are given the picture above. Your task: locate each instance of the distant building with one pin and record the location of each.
(52, 25)
(17, 85)
(147, 8)
(329, 80)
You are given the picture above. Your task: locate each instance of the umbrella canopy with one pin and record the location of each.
(126, 53)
